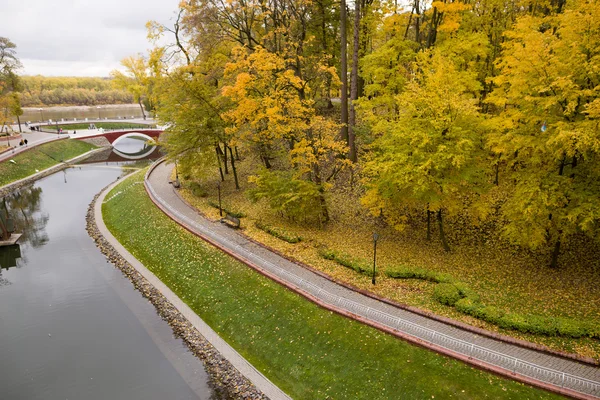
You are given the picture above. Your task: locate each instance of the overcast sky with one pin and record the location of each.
(77, 37)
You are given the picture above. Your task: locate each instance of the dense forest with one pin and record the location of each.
(58, 91)
(485, 109)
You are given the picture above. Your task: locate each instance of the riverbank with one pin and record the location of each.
(225, 379)
(307, 351)
(41, 158)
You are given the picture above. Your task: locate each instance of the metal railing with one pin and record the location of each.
(507, 362)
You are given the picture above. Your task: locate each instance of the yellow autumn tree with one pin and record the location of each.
(427, 157)
(547, 131)
(273, 114)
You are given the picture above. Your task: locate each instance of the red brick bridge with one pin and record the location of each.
(113, 136)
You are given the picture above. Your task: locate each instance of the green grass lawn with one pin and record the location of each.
(307, 351)
(104, 125)
(41, 158)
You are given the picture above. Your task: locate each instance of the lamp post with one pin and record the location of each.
(99, 109)
(177, 184)
(219, 191)
(375, 238)
(41, 110)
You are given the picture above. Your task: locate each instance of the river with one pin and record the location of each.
(71, 326)
(36, 114)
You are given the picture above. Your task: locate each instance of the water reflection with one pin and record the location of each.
(24, 207)
(9, 256)
(71, 325)
(81, 112)
(132, 151)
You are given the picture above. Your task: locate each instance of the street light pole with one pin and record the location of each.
(99, 108)
(41, 110)
(375, 238)
(177, 183)
(220, 208)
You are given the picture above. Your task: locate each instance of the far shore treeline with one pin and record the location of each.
(70, 91)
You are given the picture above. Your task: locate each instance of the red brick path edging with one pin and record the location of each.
(476, 363)
(416, 310)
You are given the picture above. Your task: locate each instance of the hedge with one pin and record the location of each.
(279, 234)
(459, 295)
(346, 261)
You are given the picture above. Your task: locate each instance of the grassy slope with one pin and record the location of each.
(309, 352)
(40, 158)
(503, 276)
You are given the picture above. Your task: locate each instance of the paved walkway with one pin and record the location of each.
(34, 139)
(575, 379)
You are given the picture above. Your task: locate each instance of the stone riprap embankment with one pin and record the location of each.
(227, 381)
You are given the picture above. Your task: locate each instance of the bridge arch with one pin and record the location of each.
(131, 135)
(113, 136)
(145, 152)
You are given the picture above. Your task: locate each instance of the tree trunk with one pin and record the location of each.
(497, 172)
(224, 157)
(429, 225)
(418, 22)
(217, 150)
(235, 177)
(19, 121)
(441, 226)
(318, 181)
(142, 108)
(344, 70)
(237, 155)
(354, 84)
(555, 254)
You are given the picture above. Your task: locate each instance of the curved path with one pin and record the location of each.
(34, 139)
(551, 372)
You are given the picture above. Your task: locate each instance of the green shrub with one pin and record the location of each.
(514, 321)
(408, 273)
(278, 233)
(198, 190)
(466, 291)
(467, 306)
(490, 314)
(466, 300)
(447, 293)
(327, 254)
(346, 261)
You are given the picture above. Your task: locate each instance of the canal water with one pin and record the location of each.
(71, 326)
(35, 114)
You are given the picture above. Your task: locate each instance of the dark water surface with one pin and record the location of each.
(71, 326)
(81, 112)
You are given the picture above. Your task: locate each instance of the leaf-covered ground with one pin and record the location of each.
(511, 279)
(309, 352)
(40, 158)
